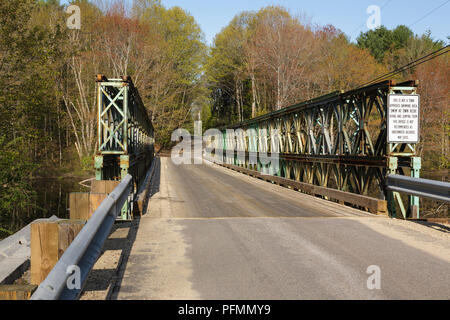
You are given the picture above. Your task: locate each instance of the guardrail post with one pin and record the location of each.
(83, 205)
(82, 252)
(414, 202)
(49, 241)
(103, 186)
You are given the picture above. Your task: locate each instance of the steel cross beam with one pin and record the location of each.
(125, 134)
(337, 141)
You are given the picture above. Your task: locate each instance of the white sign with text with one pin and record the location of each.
(403, 118)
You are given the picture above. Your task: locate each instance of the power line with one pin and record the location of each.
(389, 1)
(410, 65)
(430, 13)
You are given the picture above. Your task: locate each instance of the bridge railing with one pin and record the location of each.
(79, 259)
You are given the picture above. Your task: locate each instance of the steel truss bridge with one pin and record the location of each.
(336, 141)
(335, 146)
(125, 134)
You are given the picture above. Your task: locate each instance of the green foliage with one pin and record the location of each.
(5, 233)
(394, 47)
(401, 35)
(172, 79)
(28, 59)
(266, 60)
(87, 163)
(16, 170)
(377, 41)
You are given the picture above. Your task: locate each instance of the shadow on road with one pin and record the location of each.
(128, 244)
(107, 275)
(435, 226)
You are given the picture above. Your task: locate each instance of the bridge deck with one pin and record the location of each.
(211, 233)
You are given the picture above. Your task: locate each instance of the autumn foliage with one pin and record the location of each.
(267, 60)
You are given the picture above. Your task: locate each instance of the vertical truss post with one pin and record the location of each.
(392, 169)
(126, 119)
(124, 171)
(414, 204)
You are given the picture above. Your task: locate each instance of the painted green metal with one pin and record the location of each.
(339, 141)
(414, 202)
(125, 135)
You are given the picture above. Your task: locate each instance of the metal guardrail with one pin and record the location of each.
(86, 248)
(431, 189)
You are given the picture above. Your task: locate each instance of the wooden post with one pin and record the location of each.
(83, 205)
(49, 241)
(103, 186)
(17, 292)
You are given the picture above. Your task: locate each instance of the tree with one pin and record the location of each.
(397, 47)
(285, 49)
(342, 66)
(174, 71)
(48, 93)
(28, 54)
(435, 112)
(377, 41)
(226, 66)
(267, 60)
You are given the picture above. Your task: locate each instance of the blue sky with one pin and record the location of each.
(348, 15)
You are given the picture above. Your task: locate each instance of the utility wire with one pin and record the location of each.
(429, 13)
(384, 5)
(410, 65)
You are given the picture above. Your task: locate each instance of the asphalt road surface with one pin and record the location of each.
(212, 233)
